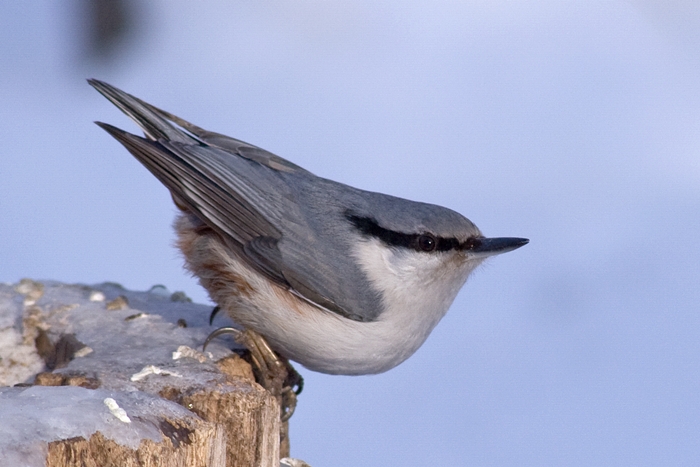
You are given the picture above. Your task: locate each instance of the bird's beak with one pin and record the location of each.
(483, 247)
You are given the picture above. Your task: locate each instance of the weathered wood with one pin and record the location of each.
(121, 368)
(185, 444)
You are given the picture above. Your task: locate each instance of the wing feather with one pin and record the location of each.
(243, 193)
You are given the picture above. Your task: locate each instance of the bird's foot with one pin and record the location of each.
(272, 372)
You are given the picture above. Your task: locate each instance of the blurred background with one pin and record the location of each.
(575, 124)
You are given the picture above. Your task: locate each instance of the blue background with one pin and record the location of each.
(575, 124)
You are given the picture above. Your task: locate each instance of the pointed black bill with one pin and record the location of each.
(496, 246)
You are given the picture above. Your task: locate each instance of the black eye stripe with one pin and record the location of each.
(418, 242)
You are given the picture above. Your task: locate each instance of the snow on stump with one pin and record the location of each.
(103, 376)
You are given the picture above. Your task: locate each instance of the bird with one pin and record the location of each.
(339, 279)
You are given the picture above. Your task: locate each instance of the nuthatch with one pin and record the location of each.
(341, 280)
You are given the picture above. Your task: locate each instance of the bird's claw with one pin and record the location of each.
(213, 314)
(272, 372)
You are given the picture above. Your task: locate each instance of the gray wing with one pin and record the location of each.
(157, 126)
(201, 183)
(241, 191)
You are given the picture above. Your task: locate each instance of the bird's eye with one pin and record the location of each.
(427, 242)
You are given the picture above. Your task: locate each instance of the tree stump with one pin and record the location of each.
(115, 379)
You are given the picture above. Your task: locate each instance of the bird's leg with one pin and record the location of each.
(265, 361)
(272, 372)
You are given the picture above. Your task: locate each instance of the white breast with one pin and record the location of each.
(417, 288)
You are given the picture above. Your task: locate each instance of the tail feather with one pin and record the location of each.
(152, 121)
